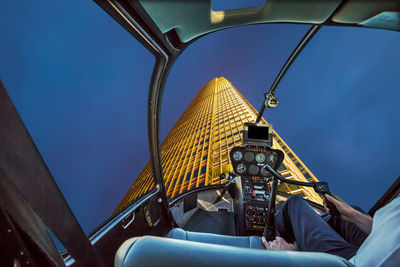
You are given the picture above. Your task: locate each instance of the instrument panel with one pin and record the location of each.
(249, 161)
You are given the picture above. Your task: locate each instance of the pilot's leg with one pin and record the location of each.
(349, 231)
(296, 220)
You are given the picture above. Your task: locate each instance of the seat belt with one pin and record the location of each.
(22, 163)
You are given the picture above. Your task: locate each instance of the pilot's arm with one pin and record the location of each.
(347, 213)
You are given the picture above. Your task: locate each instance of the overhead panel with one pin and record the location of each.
(193, 18)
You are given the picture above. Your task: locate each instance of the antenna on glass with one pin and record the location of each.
(270, 101)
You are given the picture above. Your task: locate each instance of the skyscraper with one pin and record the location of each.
(196, 151)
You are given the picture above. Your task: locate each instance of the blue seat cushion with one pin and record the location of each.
(236, 241)
(151, 251)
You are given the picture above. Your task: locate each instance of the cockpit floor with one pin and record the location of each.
(216, 222)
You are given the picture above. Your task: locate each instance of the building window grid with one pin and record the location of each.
(208, 109)
(189, 164)
(178, 175)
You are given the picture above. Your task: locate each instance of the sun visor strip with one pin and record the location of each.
(22, 163)
(389, 20)
(193, 19)
(357, 12)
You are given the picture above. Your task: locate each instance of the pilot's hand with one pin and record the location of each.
(278, 244)
(346, 212)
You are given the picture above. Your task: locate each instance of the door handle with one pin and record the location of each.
(128, 220)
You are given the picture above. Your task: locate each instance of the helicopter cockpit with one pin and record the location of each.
(249, 197)
(214, 222)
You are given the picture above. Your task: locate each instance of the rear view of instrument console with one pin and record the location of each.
(248, 162)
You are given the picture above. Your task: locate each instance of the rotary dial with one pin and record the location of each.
(237, 156)
(272, 158)
(264, 171)
(260, 157)
(241, 168)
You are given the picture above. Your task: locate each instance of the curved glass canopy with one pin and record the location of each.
(340, 73)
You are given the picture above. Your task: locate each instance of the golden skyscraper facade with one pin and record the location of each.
(196, 151)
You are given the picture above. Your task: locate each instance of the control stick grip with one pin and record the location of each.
(269, 229)
(332, 208)
(323, 188)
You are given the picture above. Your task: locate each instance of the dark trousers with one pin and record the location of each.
(297, 221)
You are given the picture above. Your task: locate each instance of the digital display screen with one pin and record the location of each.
(255, 132)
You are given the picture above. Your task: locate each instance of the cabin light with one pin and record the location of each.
(217, 16)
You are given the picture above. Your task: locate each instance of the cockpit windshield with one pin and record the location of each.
(213, 107)
(80, 85)
(238, 65)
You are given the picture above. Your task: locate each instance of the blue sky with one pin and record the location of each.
(80, 83)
